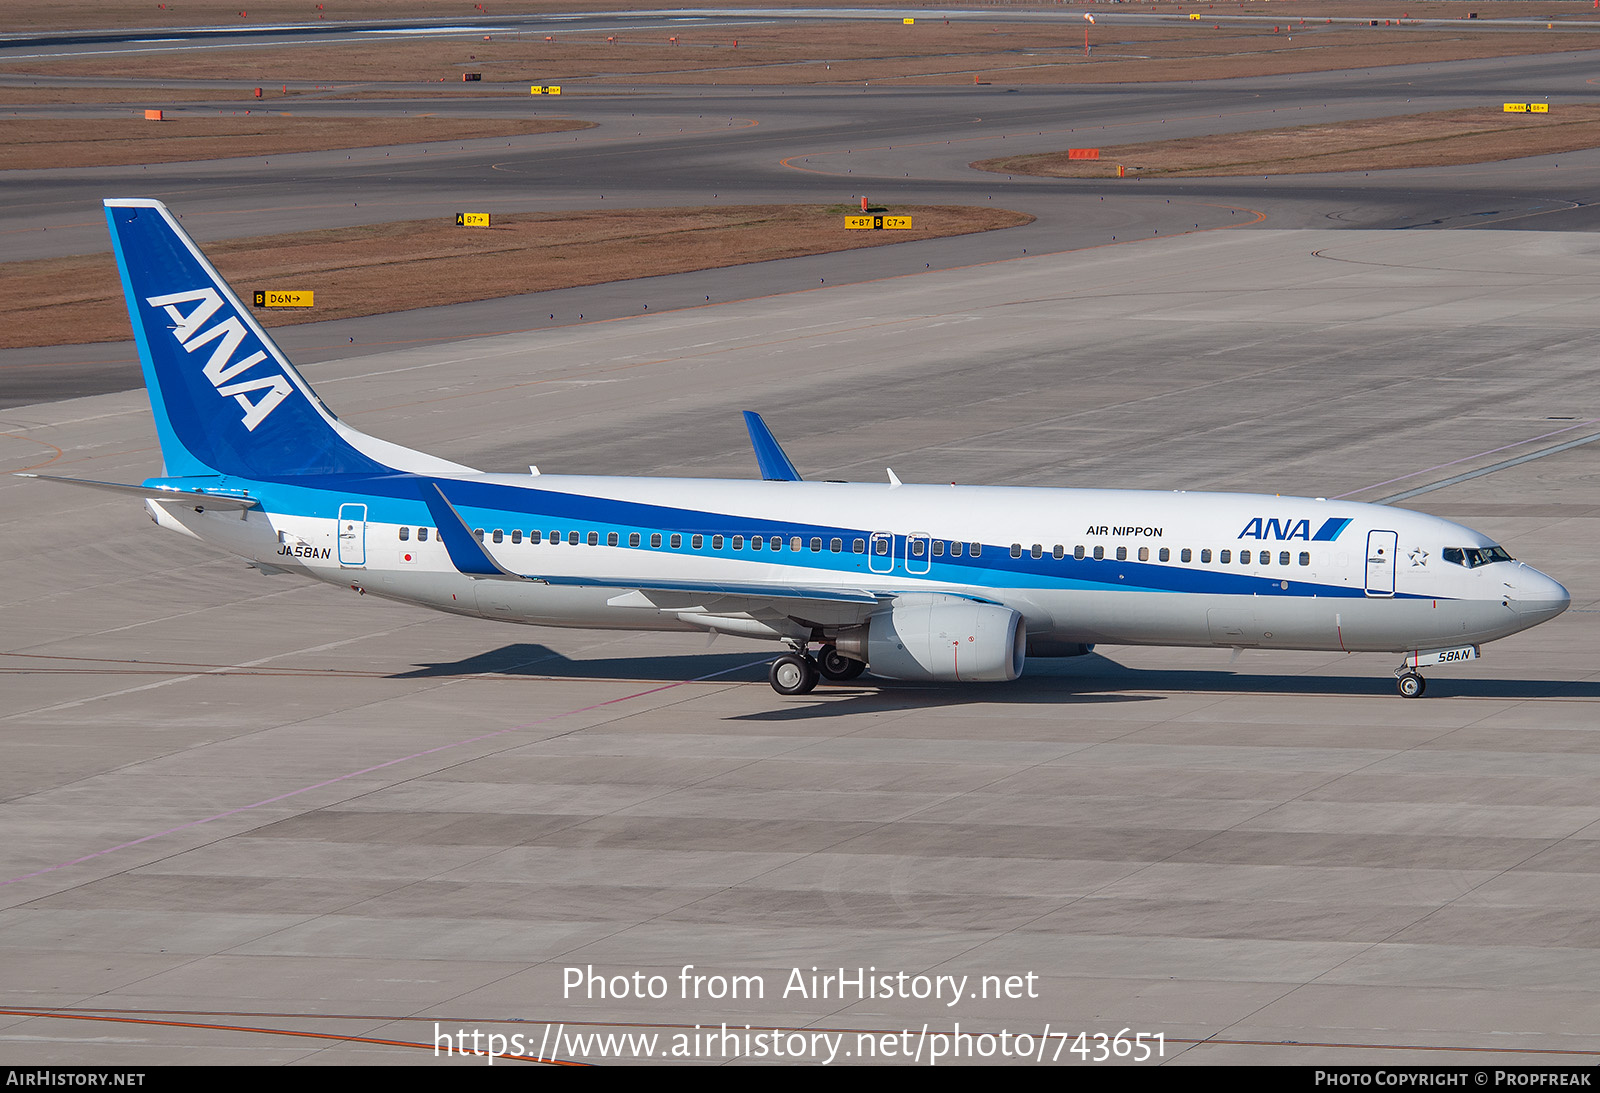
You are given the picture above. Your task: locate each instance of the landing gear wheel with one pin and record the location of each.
(1410, 685)
(793, 674)
(836, 667)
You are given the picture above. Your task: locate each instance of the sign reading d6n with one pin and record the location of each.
(284, 298)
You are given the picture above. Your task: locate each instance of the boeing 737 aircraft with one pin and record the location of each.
(943, 583)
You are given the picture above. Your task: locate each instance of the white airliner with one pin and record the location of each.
(943, 583)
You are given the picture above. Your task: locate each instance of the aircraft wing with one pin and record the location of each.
(830, 606)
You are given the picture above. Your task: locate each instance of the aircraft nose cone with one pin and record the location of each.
(1538, 596)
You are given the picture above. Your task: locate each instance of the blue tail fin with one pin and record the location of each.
(226, 400)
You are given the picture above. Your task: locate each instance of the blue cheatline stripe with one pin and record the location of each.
(402, 499)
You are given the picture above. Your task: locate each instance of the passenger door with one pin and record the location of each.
(1381, 549)
(353, 535)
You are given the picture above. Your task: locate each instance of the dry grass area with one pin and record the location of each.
(55, 142)
(18, 16)
(1279, 38)
(1443, 139)
(145, 98)
(424, 263)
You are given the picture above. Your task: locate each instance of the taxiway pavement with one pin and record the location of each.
(264, 806)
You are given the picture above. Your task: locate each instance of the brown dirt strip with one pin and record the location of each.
(150, 98)
(61, 142)
(930, 52)
(424, 263)
(1444, 139)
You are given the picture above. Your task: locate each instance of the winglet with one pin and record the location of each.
(775, 465)
(466, 553)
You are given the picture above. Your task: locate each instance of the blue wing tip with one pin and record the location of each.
(774, 462)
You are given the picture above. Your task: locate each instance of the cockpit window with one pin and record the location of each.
(1473, 557)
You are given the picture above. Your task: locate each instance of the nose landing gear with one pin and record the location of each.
(1410, 684)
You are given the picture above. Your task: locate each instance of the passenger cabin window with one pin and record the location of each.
(1165, 555)
(1077, 553)
(633, 538)
(716, 542)
(1059, 552)
(956, 549)
(499, 536)
(535, 537)
(655, 540)
(1283, 558)
(1186, 556)
(816, 545)
(405, 534)
(1224, 556)
(516, 535)
(572, 538)
(478, 534)
(1099, 553)
(1016, 550)
(796, 543)
(611, 538)
(858, 546)
(938, 548)
(738, 542)
(880, 547)
(1144, 554)
(975, 549)
(677, 541)
(1305, 557)
(775, 542)
(755, 542)
(836, 545)
(1122, 554)
(698, 542)
(422, 535)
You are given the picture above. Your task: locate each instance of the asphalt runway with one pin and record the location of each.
(251, 820)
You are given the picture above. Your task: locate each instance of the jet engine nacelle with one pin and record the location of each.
(945, 638)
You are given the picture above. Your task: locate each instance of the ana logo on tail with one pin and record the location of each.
(228, 335)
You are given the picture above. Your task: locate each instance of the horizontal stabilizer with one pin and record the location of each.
(222, 502)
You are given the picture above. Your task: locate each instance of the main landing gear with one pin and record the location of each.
(797, 672)
(793, 674)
